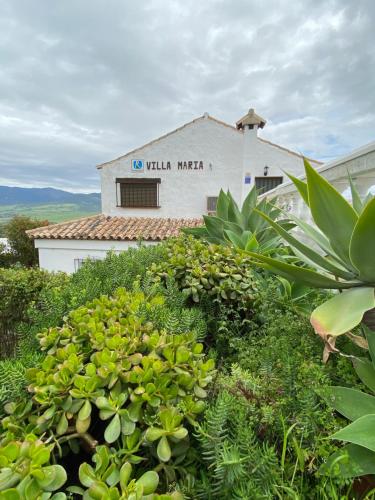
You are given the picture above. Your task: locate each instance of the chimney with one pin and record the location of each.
(249, 124)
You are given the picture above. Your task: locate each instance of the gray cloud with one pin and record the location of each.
(83, 82)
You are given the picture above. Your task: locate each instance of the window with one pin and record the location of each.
(78, 263)
(211, 204)
(264, 184)
(138, 193)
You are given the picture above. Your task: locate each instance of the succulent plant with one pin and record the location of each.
(244, 227)
(112, 480)
(26, 472)
(346, 260)
(110, 376)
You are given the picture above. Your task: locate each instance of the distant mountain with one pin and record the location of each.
(38, 196)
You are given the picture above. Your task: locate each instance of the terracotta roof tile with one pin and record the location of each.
(103, 227)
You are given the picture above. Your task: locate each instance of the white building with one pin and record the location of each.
(153, 191)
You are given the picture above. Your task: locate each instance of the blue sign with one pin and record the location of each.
(137, 165)
(247, 179)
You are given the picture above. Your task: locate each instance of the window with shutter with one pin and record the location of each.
(138, 193)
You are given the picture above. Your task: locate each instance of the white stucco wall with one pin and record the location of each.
(227, 155)
(59, 255)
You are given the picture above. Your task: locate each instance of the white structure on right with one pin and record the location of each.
(361, 166)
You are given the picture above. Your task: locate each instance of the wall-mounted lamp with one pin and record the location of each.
(265, 171)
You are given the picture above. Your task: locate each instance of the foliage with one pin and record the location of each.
(358, 457)
(244, 227)
(13, 377)
(345, 235)
(219, 279)
(22, 247)
(26, 471)
(115, 374)
(266, 428)
(19, 289)
(112, 480)
(61, 293)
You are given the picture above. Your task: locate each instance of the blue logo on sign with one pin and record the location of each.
(137, 164)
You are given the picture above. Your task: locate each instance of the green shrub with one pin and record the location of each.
(19, 289)
(22, 247)
(220, 280)
(269, 384)
(114, 374)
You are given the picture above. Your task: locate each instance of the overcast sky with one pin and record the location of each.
(84, 81)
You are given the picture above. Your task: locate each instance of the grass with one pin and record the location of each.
(54, 212)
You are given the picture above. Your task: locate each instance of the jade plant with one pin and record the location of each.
(112, 480)
(111, 377)
(26, 472)
(244, 227)
(343, 257)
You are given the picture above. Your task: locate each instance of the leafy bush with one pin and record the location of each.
(115, 374)
(221, 280)
(22, 247)
(265, 432)
(19, 289)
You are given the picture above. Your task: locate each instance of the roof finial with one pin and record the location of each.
(251, 119)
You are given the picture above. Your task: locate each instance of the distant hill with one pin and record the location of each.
(50, 204)
(38, 196)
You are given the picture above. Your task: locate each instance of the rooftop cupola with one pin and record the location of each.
(251, 121)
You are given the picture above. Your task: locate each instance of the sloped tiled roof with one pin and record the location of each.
(103, 227)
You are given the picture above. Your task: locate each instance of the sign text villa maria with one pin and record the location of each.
(141, 165)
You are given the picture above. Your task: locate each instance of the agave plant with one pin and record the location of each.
(244, 228)
(357, 457)
(345, 234)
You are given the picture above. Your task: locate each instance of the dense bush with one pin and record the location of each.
(269, 392)
(116, 374)
(20, 289)
(23, 250)
(55, 296)
(221, 280)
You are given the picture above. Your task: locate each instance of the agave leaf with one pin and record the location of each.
(343, 312)
(351, 460)
(232, 226)
(366, 372)
(356, 199)
(222, 205)
(234, 214)
(360, 432)
(362, 245)
(334, 216)
(370, 336)
(197, 232)
(248, 206)
(351, 403)
(214, 226)
(234, 238)
(301, 187)
(307, 251)
(252, 243)
(300, 274)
